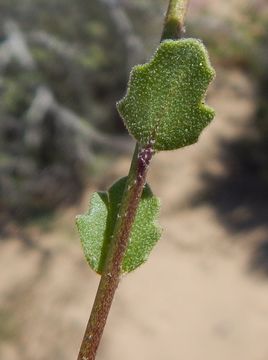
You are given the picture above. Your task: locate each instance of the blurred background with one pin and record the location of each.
(203, 293)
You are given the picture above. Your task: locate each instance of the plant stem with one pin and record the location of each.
(174, 20)
(173, 29)
(112, 269)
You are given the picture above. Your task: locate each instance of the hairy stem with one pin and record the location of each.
(174, 20)
(173, 29)
(112, 269)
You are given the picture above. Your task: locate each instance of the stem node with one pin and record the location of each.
(173, 29)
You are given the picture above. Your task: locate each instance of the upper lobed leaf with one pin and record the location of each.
(164, 104)
(97, 226)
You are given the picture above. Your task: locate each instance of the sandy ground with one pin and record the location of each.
(197, 298)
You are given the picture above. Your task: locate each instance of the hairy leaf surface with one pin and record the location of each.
(97, 226)
(164, 103)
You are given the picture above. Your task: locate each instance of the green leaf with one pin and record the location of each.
(97, 226)
(164, 104)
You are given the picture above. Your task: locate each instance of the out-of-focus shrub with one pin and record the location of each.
(239, 38)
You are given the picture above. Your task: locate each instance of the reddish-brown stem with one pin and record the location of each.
(173, 29)
(112, 269)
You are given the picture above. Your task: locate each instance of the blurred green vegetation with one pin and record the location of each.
(64, 64)
(240, 39)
